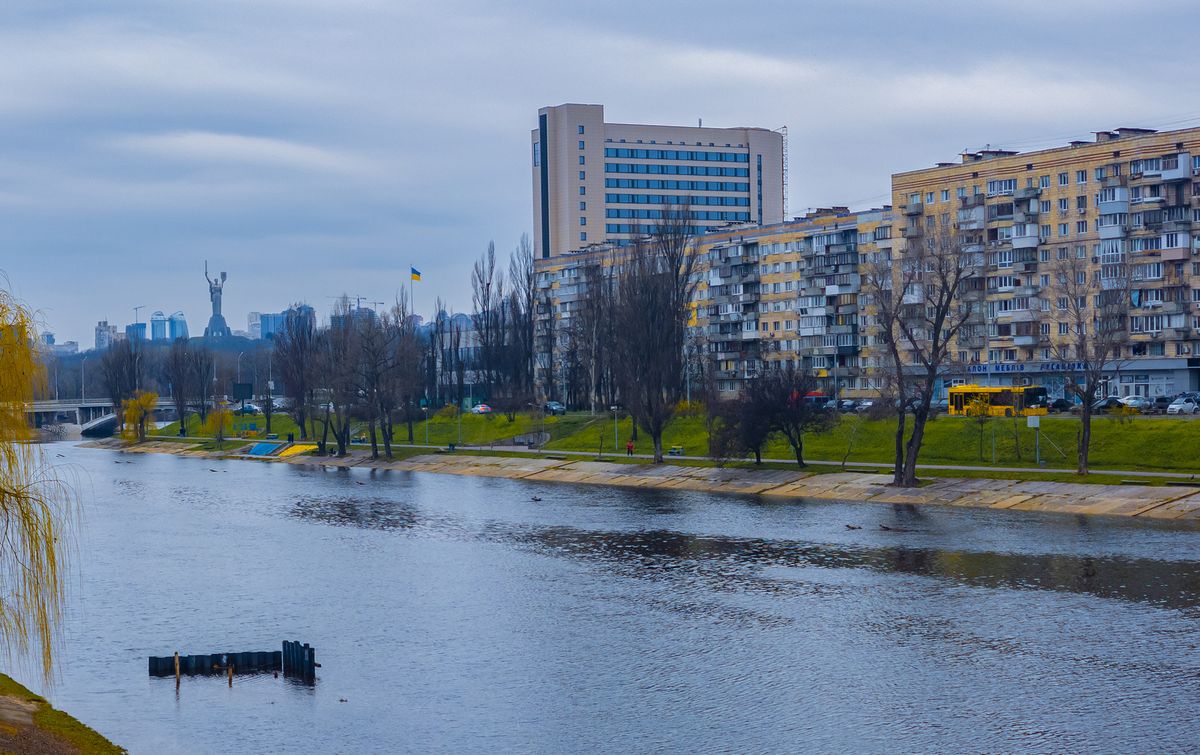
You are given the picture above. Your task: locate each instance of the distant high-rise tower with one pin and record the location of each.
(254, 325)
(158, 326)
(136, 331)
(105, 335)
(177, 326)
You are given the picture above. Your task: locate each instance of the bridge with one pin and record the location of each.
(91, 414)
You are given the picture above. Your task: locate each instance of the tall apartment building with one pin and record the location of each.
(783, 294)
(105, 335)
(1122, 205)
(597, 182)
(158, 326)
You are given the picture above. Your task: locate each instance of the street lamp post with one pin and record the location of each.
(239, 366)
(83, 380)
(426, 410)
(615, 439)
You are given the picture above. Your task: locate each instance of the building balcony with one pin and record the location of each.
(1176, 254)
(915, 208)
(912, 231)
(1027, 340)
(1113, 231)
(1026, 242)
(1017, 315)
(1025, 216)
(1029, 192)
(973, 200)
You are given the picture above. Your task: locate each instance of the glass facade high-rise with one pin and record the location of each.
(158, 326)
(177, 326)
(597, 182)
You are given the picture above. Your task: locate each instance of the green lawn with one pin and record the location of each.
(56, 722)
(1152, 444)
(443, 429)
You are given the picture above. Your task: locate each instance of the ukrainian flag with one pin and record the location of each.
(416, 274)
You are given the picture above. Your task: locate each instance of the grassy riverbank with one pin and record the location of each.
(1151, 444)
(29, 724)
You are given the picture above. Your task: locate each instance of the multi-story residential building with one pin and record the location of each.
(105, 335)
(784, 294)
(1121, 205)
(597, 182)
(136, 331)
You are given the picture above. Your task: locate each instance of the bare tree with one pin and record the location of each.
(784, 398)
(295, 352)
(177, 368)
(653, 308)
(201, 384)
(121, 369)
(917, 310)
(1095, 310)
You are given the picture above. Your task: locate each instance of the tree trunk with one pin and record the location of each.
(323, 446)
(1085, 438)
(914, 446)
(388, 429)
(182, 424)
(798, 448)
(658, 454)
(303, 426)
(898, 471)
(374, 442)
(408, 416)
(758, 455)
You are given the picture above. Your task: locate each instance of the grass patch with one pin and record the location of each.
(62, 725)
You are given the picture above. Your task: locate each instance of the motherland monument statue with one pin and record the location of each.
(217, 327)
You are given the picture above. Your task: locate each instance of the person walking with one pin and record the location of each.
(629, 448)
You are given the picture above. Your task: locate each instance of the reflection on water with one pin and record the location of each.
(457, 614)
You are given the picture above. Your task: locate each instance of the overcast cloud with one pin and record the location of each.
(315, 147)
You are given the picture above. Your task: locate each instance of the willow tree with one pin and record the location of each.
(33, 502)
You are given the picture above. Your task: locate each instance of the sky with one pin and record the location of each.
(313, 148)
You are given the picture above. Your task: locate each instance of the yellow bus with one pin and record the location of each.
(1001, 401)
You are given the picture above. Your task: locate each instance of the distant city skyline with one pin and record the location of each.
(140, 140)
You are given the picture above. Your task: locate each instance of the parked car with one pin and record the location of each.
(941, 406)
(1161, 403)
(1103, 406)
(864, 405)
(247, 410)
(1183, 405)
(847, 405)
(553, 407)
(481, 409)
(1140, 404)
(1060, 405)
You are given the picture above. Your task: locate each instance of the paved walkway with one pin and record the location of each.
(1142, 501)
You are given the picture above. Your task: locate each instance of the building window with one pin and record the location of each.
(582, 191)
(1063, 204)
(581, 144)
(945, 195)
(929, 198)
(1044, 255)
(582, 220)
(1064, 179)
(583, 235)
(1081, 202)
(581, 129)
(1081, 176)
(582, 206)
(1063, 229)
(1044, 205)
(581, 160)
(582, 175)
(961, 192)
(1044, 182)
(1081, 226)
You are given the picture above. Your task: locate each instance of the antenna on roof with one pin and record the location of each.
(699, 123)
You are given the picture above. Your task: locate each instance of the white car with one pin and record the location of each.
(1183, 405)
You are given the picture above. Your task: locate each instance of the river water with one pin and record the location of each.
(455, 614)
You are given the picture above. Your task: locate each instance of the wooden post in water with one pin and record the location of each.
(229, 668)
(176, 669)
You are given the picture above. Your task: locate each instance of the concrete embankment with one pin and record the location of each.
(1141, 501)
